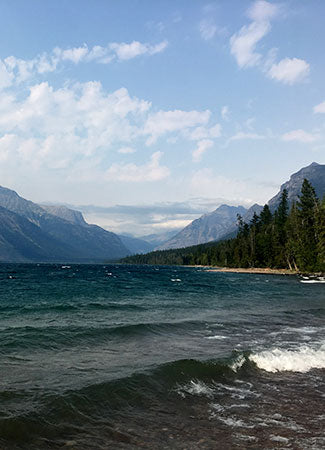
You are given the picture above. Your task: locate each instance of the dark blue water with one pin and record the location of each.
(117, 356)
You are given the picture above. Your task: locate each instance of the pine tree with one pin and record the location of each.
(279, 230)
(308, 208)
(320, 228)
(292, 243)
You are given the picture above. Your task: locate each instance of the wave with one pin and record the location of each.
(72, 306)
(51, 336)
(302, 359)
(56, 412)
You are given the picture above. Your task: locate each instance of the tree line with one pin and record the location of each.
(292, 237)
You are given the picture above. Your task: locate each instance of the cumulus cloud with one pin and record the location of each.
(205, 132)
(126, 150)
(242, 136)
(225, 112)
(125, 51)
(243, 46)
(289, 70)
(152, 171)
(262, 11)
(163, 122)
(56, 128)
(202, 147)
(320, 108)
(20, 70)
(76, 129)
(243, 43)
(6, 76)
(74, 55)
(300, 136)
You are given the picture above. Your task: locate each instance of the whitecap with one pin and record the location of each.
(217, 337)
(302, 359)
(196, 387)
(313, 281)
(279, 439)
(234, 422)
(238, 363)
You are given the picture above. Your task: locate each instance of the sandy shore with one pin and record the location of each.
(266, 271)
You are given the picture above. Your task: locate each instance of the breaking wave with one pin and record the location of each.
(302, 359)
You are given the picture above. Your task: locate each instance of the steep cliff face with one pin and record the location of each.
(315, 174)
(70, 215)
(209, 227)
(29, 232)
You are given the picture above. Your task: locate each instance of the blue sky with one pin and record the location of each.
(175, 106)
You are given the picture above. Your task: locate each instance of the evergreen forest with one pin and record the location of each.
(292, 237)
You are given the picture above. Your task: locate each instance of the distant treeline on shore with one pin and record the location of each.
(292, 237)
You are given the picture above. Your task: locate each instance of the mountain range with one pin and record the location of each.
(315, 174)
(221, 223)
(209, 227)
(31, 232)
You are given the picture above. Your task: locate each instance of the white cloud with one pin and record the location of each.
(171, 121)
(320, 108)
(152, 171)
(126, 150)
(20, 70)
(199, 133)
(225, 112)
(75, 55)
(300, 136)
(8, 143)
(202, 147)
(262, 10)
(243, 43)
(56, 128)
(6, 77)
(207, 183)
(207, 29)
(125, 51)
(243, 46)
(289, 70)
(241, 136)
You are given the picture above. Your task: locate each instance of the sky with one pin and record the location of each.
(146, 114)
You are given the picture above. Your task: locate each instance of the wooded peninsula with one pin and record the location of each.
(291, 237)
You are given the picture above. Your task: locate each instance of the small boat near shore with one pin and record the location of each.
(313, 279)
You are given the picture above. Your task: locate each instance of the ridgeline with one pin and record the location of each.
(289, 238)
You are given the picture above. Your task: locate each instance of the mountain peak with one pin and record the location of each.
(314, 173)
(209, 227)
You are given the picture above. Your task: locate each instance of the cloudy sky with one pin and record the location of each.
(157, 111)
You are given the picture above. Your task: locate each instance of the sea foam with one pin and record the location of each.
(302, 359)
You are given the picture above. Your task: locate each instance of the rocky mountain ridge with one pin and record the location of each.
(315, 174)
(28, 232)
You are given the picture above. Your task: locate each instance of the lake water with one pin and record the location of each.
(114, 356)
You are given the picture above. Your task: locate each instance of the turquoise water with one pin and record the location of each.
(115, 356)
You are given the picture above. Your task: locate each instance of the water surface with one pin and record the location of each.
(115, 356)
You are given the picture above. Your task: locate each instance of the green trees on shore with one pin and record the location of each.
(292, 237)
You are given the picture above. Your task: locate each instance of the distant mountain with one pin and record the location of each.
(157, 239)
(247, 217)
(135, 245)
(22, 241)
(29, 232)
(315, 174)
(209, 227)
(65, 213)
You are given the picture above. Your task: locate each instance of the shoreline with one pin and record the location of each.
(252, 270)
